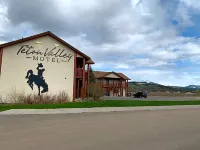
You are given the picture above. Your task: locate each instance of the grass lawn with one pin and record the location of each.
(106, 103)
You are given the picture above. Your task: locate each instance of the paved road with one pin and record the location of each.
(157, 98)
(144, 130)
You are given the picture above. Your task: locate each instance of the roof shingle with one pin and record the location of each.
(100, 74)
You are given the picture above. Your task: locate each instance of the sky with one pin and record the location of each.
(147, 40)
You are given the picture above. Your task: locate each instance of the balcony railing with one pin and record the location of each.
(79, 73)
(115, 84)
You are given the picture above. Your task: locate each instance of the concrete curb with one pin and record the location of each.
(97, 109)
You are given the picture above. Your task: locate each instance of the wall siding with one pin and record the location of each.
(112, 75)
(58, 74)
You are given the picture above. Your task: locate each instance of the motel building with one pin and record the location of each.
(43, 63)
(113, 83)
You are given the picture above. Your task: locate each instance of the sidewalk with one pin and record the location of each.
(96, 109)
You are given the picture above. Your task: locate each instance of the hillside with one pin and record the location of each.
(155, 87)
(193, 87)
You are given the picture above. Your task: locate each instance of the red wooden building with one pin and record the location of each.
(113, 83)
(82, 76)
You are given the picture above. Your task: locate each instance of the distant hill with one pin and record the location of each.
(193, 87)
(155, 87)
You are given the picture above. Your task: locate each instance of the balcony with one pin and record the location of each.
(111, 84)
(115, 84)
(79, 73)
(86, 74)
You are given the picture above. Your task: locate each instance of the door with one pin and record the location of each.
(78, 89)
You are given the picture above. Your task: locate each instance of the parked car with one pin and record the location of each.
(140, 95)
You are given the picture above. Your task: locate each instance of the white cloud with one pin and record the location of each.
(98, 65)
(164, 77)
(182, 15)
(1, 42)
(164, 55)
(192, 4)
(122, 66)
(3, 19)
(143, 62)
(118, 34)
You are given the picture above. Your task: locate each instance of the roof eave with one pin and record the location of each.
(40, 35)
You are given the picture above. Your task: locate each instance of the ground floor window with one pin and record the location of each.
(107, 93)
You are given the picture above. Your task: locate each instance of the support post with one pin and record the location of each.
(88, 76)
(83, 80)
(75, 68)
(1, 57)
(88, 70)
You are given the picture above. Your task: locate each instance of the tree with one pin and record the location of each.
(91, 76)
(95, 91)
(91, 80)
(198, 92)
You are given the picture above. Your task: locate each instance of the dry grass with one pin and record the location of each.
(173, 94)
(1, 100)
(21, 98)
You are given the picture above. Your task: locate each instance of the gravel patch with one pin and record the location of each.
(156, 98)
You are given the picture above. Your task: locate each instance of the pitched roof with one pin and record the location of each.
(90, 62)
(100, 74)
(123, 76)
(41, 35)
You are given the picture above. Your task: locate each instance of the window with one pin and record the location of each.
(107, 82)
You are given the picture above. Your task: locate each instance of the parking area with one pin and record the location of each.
(156, 98)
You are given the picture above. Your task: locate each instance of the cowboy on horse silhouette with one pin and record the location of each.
(37, 79)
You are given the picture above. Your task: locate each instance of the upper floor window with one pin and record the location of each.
(107, 81)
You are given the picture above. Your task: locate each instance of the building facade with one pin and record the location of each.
(43, 63)
(114, 84)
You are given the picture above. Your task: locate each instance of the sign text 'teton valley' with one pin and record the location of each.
(54, 54)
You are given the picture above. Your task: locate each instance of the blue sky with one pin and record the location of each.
(155, 40)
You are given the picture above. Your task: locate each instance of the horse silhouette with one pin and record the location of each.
(37, 79)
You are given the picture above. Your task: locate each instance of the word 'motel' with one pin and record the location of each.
(58, 54)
